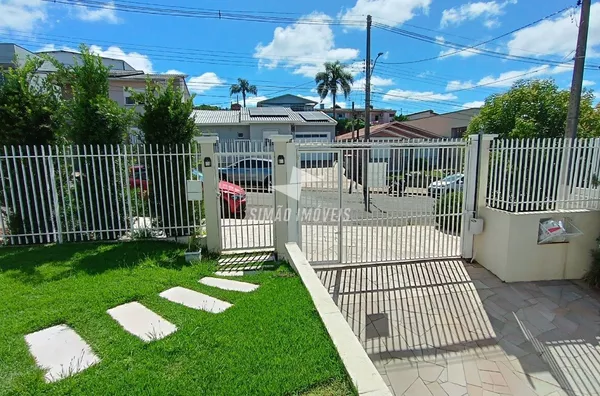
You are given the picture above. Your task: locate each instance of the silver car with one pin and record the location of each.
(452, 183)
(249, 172)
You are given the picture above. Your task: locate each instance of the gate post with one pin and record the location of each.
(281, 187)
(476, 181)
(293, 177)
(211, 192)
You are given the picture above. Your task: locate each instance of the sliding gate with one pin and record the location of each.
(383, 201)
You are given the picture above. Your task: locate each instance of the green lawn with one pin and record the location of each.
(270, 342)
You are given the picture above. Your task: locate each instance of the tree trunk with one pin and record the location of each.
(244, 98)
(333, 101)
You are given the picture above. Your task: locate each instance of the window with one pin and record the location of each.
(391, 115)
(240, 135)
(127, 95)
(458, 132)
(377, 117)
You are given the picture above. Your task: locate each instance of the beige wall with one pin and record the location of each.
(508, 246)
(442, 124)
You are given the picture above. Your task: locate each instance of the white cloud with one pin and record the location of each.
(556, 36)
(21, 14)
(416, 96)
(376, 81)
(303, 47)
(135, 59)
(204, 82)
(489, 11)
(251, 101)
(506, 79)
(174, 71)
(426, 73)
(588, 83)
(472, 105)
(104, 13)
(391, 12)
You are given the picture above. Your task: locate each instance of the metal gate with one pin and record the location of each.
(247, 202)
(384, 201)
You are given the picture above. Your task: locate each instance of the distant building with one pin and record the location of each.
(377, 116)
(258, 124)
(447, 125)
(293, 102)
(391, 130)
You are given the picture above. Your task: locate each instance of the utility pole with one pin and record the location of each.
(365, 164)
(353, 120)
(576, 84)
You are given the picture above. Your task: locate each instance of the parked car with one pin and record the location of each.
(233, 198)
(249, 172)
(451, 183)
(138, 177)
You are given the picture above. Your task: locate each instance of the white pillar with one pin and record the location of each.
(293, 177)
(476, 182)
(212, 195)
(281, 188)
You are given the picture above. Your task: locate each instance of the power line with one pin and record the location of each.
(471, 47)
(486, 52)
(189, 12)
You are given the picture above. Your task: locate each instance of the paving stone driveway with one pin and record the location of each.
(451, 328)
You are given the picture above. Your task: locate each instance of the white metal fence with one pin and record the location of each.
(83, 193)
(414, 193)
(529, 175)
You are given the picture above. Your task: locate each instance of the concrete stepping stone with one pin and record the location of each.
(227, 284)
(193, 299)
(60, 352)
(141, 322)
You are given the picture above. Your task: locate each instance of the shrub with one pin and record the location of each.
(592, 277)
(448, 211)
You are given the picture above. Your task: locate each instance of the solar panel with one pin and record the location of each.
(267, 112)
(314, 116)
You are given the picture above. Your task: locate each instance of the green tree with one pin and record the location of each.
(94, 123)
(206, 107)
(400, 117)
(333, 78)
(92, 117)
(168, 126)
(30, 117)
(534, 109)
(243, 87)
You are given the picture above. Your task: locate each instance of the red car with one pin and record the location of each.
(233, 197)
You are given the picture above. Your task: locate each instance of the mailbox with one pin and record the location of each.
(194, 190)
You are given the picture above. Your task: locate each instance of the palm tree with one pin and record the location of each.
(333, 78)
(243, 87)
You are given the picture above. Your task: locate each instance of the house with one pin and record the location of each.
(390, 130)
(293, 102)
(420, 114)
(12, 55)
(123, 77)
(447, 125)
(258, 123)
(377, 116)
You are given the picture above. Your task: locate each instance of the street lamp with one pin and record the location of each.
(375, 62)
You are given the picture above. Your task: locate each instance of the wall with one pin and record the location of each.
(226, 132)
(508, 246)
(68, 58)
(256, 130)
(442, 124)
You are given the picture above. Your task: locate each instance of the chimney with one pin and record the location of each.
(236, 106)
(322, 106)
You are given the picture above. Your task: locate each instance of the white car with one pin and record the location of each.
(452, 183)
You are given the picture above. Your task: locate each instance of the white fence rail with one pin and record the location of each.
(83, 193)
(530, 175)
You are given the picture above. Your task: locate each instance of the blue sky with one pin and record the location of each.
(279, 55)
